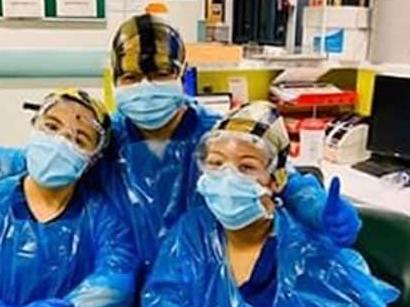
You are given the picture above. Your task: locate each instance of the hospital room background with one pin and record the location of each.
(337, 70)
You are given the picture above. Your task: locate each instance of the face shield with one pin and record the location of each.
(83, 140)
(81, 128)
(247, 154)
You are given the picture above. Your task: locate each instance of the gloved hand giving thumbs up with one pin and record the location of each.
(340, 219)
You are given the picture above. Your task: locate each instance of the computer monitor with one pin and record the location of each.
(389, 133)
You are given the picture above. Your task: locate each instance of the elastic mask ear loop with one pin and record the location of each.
(269, 216)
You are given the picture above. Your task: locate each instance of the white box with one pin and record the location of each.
(354, 45)
(348, 28)
(336, 17)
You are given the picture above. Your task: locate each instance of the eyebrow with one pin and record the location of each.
(86, 135)
(259, 160)
(247, 156)
(131, 75)
(216, 152)
(79, 131)
(53, 118)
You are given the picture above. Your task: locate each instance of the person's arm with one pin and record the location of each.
(171, 280)
(324, 211)
(113, 280)
(304, 197)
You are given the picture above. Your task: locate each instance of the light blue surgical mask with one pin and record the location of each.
(233, 198)
(150, 105)
(53, 162)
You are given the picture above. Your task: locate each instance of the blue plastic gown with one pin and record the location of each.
(152, 184)
(309, 270)
(153, 187)
(85, 257)
(12, 161)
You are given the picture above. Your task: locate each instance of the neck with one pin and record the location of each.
(167, 131)
(45, 203)
(251, 236)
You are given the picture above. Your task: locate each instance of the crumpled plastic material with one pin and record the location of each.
(192, 269)
(12, 161)
(151, 184)
(85, 257)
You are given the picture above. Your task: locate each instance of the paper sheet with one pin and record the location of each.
(238, 86)
(301, 74)
(76, 8)
(23, 8)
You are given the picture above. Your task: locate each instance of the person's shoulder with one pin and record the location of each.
(120, 129)
(207, 117)
(9, 182)
(7, 187)
(197, 222)
(95, 204)
(12, 161)
(90, 191)
(194, 236)
(117, 119)
(118, 136)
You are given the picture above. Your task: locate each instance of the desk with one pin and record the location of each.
(365, 190)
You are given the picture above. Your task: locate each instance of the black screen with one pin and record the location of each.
(390, 128)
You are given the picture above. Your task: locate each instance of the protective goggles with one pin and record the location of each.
(213, 153)
(84, 133)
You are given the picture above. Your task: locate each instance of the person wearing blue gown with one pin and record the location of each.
(149, 170)
(246, 247)
(61, 242)
(156, 130)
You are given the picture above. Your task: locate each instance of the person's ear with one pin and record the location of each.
(273, 186)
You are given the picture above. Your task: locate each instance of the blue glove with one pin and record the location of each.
(340, 218)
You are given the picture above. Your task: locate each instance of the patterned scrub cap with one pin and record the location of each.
(262, 119)
(144, 44)
(103, 122)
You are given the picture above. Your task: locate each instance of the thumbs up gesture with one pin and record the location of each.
(340, 219)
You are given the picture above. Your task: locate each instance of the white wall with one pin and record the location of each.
(390, 41)
(182, 14)
(14, 122)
